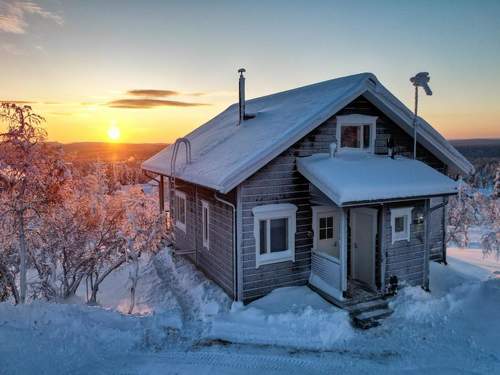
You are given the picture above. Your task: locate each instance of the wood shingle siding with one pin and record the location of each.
(217, 261)
(279, 182)
(405, 259)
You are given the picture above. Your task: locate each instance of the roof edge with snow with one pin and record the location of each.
(269, 108)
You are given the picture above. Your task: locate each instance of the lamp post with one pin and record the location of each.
(419, 80)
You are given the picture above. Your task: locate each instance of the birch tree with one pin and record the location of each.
(29, 176)
(142, 230)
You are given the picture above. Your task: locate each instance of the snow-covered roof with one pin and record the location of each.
(224, 154)
(359, 177)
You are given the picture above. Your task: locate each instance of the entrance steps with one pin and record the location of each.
(368, 314)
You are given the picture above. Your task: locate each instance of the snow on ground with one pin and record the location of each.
(474, 262)
(285, 317)
(184, 324)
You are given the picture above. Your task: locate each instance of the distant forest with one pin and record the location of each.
(478, 148)
(111, 152)
(122, 161)
(126, 158)
(484, 154)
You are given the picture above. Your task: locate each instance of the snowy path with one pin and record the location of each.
(453, 330)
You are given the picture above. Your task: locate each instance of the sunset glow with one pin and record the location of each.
(114, 133)
(158, 89)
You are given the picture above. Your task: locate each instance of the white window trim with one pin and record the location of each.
(398, 212)
(206, 236)
(269, 212)
(357, 120)
(178, 224)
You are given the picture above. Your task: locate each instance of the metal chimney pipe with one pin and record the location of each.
(242, 95)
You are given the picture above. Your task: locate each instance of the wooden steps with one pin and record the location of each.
(368, 314)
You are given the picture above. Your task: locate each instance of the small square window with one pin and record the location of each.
(356, 132)
(399, 224)
(350, 136)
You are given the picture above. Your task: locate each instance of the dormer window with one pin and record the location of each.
(356, 132)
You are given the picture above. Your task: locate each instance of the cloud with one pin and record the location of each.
(153, 93)
(13, 14)
(150, 103)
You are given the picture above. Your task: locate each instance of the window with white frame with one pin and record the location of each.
(180, 210)
(326, 221)
(356, 132)
(274, 232)
(205, 219)
(400, 223)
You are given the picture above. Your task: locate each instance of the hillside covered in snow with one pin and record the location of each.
(183, 323)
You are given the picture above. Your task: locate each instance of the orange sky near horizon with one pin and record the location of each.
(157, 70)
(68, 123)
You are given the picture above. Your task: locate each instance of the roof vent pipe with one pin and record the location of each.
(333, 149)
(242, 95)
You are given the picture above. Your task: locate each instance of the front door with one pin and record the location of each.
(326, 229)
(328, 254)
(363, 242)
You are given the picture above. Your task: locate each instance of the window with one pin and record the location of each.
(356, 132)
(180, 210)
(274, 231)
(326, 228)
(205, 218)
(400, 223)
(326, 221)
(350, 136)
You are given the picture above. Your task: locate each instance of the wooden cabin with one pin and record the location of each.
(312, 186)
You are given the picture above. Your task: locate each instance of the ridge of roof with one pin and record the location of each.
(225, 154)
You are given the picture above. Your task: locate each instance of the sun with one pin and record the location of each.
(114, 133)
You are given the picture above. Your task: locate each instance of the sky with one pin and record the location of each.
(151, 71)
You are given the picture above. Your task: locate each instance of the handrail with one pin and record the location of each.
(173, 160)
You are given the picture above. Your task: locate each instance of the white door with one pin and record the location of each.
(328, 255)
(363, 242)
(326, 232)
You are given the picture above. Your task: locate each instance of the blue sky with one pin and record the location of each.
(94, 51)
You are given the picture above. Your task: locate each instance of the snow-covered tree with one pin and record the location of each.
(496, 184)
(30, 175)
(462, 213)
(490, 240)
(142, 230)
(67, 238)
(139, 230)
